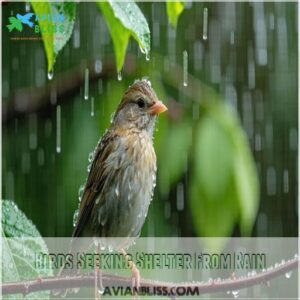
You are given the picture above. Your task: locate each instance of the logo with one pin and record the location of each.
(16, 22)
(46, 23)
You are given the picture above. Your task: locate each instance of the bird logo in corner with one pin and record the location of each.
(16, 23)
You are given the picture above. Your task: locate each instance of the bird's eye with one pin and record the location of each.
(141, 103)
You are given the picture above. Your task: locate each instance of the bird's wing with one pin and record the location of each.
(19, 26)
(96, 180)
(12, 20)
(28, 16)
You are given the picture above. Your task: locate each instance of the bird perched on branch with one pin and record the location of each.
(122, 174)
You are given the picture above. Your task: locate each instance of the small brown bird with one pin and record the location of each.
(122, 176)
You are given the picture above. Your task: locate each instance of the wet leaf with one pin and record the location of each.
(247, 183)
(174, 10)
(21, 241)
(173, 157)
(224, 187)
(125, 19)
(55, 34)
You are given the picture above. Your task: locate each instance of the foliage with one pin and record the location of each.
(54, 41)
(20, 241)
(224, 186)
(174, 10)
(125, 19)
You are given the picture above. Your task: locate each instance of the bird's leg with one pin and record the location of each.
(98, 276)
(135, 273)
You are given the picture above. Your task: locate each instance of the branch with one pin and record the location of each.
(212, 286)
(31, 99)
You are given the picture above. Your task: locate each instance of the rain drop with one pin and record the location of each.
(117, 191)
(92, 107)
(75, 290)
(288, 275)
(101, 290)
(205, 19)
(185, 68)
(75, 217)
(119, 75)
(98, 66)
(58, 129)
(147, 56)
(86, 84)
(27, 6)
(235, 294)
(50, 74)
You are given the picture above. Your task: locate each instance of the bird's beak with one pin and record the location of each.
(157, 108)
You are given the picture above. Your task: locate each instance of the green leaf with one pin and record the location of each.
(54, 40)
(21, 242)
(125, 19)
(214, 158)
(224, 187)
(174, 10)
(173, 157)
(14, 23)
(247, 183)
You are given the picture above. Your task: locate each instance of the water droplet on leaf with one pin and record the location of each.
(288, 275)
(50, 74)
(120, 76)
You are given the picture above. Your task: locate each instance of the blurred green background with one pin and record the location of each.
(206, 183)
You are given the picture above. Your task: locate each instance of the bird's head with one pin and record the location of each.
(139, 107)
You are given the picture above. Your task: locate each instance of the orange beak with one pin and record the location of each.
(157, 108)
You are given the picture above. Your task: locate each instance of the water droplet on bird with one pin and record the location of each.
(112, 117)
(91, 156)
(205, 22)
(75, 217)
(86, 84)
(288, 275)
(80, 192)
(50, 74)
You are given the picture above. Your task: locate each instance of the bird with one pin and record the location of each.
(14, 24)
(25, 19)
(122, 175)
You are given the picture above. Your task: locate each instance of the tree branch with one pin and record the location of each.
(212, 286)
